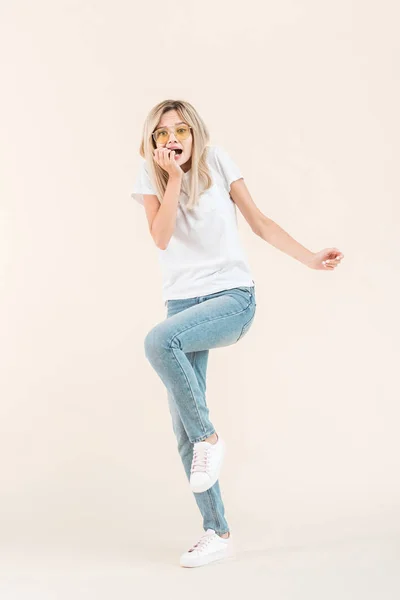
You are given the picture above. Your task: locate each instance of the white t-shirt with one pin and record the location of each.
(204, 254)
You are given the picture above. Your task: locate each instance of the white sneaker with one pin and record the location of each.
(206, 464)
(209, 548)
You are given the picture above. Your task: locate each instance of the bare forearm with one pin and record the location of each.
(272, 233)
(163, 225)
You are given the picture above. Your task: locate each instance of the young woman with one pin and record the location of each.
(190, 191)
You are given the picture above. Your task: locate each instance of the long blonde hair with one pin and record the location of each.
(199, 177)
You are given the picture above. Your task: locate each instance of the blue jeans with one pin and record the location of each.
(177, 348)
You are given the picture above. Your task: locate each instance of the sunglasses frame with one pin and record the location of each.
(169, 128)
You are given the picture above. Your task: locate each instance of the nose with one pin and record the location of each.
(172, 134)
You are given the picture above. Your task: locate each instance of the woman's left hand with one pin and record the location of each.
(325, 260)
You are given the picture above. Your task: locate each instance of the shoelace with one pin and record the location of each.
(200, 459)
(202, 543)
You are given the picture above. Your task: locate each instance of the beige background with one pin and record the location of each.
(304, 96)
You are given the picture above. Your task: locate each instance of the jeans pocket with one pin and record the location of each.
(245, 292)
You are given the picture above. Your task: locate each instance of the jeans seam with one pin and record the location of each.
(192, 362)
(213, 509)
(190, 390)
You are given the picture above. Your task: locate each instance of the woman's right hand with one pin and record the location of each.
(166, 160)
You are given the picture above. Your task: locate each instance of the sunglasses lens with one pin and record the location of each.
(182, 132)
(161, 136)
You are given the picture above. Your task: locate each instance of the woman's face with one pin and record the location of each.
(170, 120)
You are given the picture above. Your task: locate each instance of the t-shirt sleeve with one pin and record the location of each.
(227, 167)
(142, 184)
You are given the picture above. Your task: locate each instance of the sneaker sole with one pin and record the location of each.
(206, 560)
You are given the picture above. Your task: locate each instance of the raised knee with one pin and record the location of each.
(154, 342)
(149, 343)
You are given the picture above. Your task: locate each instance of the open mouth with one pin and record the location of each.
(177, 150)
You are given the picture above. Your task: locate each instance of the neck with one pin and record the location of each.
(185, 167)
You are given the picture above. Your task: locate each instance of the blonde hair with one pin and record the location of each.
(199, 177)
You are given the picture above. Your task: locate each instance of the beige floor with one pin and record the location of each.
(357, 569)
